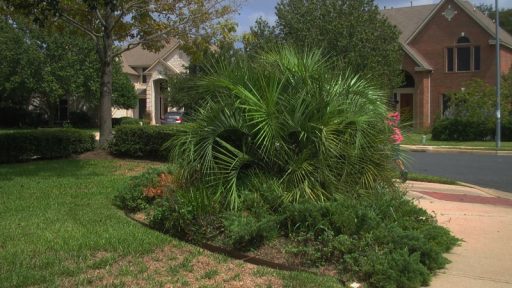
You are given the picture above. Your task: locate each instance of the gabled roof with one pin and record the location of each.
(139, 57)
(407, 20)
(127, 69)
(410, 20)
(160, 61)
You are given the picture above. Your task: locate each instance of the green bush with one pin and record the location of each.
(296, 117)
(244, 232)
(454, 129)
(131, 196)
(140, 141)
(130, 121)
(381, 238)
(506, 130)
(44, 143)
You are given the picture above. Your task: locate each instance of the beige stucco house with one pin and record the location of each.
(148, 71)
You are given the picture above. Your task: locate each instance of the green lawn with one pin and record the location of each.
(432, 179)
(411, 138)
(59, 228)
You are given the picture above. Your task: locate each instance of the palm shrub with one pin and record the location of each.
(295, 118)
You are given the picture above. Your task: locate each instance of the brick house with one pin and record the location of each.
(148, 71)
(445, 45)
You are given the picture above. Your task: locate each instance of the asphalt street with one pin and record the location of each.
(490, 171)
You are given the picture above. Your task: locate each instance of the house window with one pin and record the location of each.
(144, 76)
(463, 40)
(476, 58)
(463, 57)
(449, 59)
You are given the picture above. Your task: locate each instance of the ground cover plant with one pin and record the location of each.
(59, 229)
(292, 150)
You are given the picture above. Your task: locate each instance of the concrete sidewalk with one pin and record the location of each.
(483, 221)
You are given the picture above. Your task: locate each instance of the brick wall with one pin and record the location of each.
(431, 42)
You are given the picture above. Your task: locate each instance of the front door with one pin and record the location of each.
(406, 104)
(142, 108)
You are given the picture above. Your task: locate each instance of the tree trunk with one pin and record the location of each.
(105, 53)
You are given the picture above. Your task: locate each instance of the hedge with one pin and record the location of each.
(140, 141)
(128, 121)
(453, 129)
(20, 146)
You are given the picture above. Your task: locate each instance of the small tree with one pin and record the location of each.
(477, 102)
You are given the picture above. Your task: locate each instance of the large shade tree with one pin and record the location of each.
(42, 66)
(353, 31)
(129, 23)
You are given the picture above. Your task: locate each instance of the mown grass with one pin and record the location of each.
(411, 138)
(431, 179)
(58, 224)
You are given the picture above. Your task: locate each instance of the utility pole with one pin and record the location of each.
(498, 79)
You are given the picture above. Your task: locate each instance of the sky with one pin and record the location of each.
(252, 9)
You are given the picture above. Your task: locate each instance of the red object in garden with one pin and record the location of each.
(393, 120)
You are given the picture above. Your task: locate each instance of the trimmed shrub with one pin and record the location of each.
(130, 121)
(140, 141)
(452, 129)
(44, 144)
(506, 130)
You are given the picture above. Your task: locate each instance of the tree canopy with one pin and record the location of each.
(352, 31)
(505, 15)
(41, 66)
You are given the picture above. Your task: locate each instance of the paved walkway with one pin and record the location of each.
(483, 219)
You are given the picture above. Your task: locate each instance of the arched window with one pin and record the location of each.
(463, 40)
(464, 56)
(408, 80)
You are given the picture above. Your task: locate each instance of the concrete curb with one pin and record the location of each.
(489, 191)
(454, 149)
